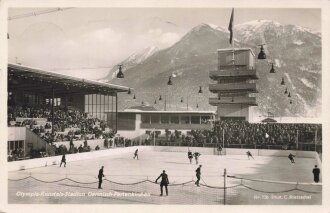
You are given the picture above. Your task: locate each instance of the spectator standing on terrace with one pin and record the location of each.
(164, 182)
(198, 174)
(136, 154)
(316, 173)
(100, 176)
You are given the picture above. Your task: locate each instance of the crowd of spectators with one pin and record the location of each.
(233, 133)
(69, 125)
(79, 125)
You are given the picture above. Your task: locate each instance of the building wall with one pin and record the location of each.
(127, 120)
(242, 58)
(233, 110)
(30, 139)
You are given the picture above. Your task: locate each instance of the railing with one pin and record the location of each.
(241, 72)
(236, 100)
(252, 87)
(179, 142)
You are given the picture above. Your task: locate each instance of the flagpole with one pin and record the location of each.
(233, 41)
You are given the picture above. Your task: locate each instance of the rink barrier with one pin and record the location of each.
(234, 151)
(56, 160)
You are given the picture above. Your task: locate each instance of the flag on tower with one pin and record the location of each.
(230, 27)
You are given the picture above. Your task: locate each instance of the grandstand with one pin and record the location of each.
(45, 109)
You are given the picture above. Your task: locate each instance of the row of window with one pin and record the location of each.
(12, 145)
(174, 119)
(57, 101)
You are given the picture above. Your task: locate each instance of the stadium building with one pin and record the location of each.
(136, 122)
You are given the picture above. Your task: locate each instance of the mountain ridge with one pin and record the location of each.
(295, 51)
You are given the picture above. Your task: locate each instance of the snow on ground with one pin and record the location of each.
(298, 42)
(278, 63)
(307, 83)
(289, 79)
(125, 170)
(255, 24)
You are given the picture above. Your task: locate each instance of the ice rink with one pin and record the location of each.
(130, 181)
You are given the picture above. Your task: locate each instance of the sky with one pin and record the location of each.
(87, 42)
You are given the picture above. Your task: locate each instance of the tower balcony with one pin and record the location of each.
(233, 100)
(233, 87)
(233, 73)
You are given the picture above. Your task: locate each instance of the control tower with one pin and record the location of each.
(235, 84)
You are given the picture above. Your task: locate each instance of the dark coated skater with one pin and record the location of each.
(198, 175)
(136, 154)
(219, 149)
(190, 156)
(196, 155)
(100, 176)
(291, 157)
(316, 173)
(164, 182)
(248, 153)
(63, 160)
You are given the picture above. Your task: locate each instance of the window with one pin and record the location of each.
(155, 119)
(20, 144)
(90, 99)
(86, 99)
(195, 120)
(174, 119)
(185, 119)
(57, 101)
(205, 119)
(165, 119)
(145, 118)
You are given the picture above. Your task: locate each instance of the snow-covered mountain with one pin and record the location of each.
(133, 60)
(295, 51)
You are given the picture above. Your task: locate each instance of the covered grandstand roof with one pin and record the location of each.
(40, 81)
(142, 108)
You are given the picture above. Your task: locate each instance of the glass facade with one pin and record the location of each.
(98, 105)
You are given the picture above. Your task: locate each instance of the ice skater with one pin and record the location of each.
(248, 153)
(136, 154)
(63, 160)
(198, 175)
(190, 156)
(316, 173)
(100, 176)
(291, 157)
(219, 149)
(163, 182)
(196, 155)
